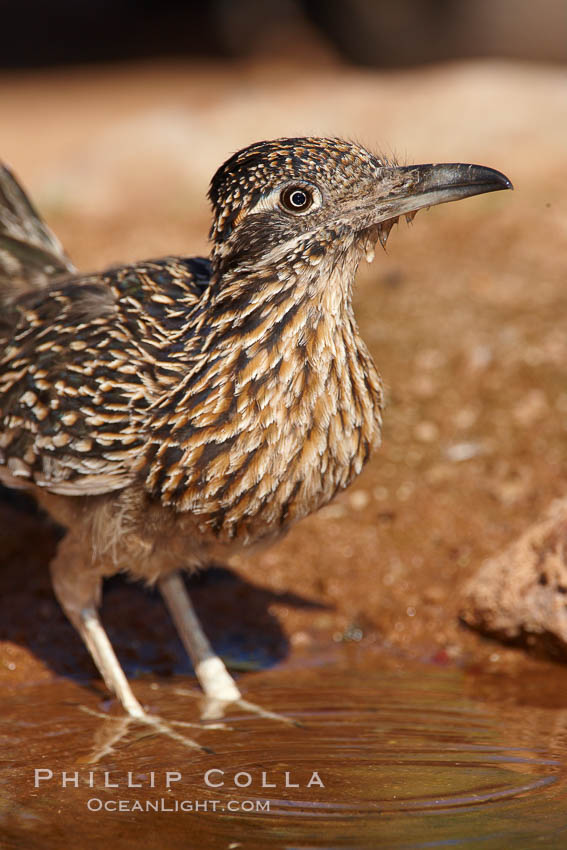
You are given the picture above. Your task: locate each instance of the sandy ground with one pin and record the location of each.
(463, 316)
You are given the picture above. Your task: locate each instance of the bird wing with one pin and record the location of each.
(85, 359)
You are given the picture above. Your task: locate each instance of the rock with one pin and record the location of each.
(521, 594)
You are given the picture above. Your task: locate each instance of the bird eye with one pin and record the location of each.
(296, 199)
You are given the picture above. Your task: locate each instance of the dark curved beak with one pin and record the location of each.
(417, 186)
(453, 181)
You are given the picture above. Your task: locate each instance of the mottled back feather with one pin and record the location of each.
(85, 359)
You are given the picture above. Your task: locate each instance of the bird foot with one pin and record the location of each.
(117, 729)
(245, 705)
(214, 708)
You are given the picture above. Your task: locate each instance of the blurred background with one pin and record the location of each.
(379, 33)
(115, 116)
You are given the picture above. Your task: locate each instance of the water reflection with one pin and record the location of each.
(384, 759)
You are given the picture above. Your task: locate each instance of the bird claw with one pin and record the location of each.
(245, 705)
(213, 708)
(117, 729)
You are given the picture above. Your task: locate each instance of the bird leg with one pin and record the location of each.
(78, 590)
(217, 683)
(92, 631)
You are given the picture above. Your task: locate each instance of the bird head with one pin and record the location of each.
(295, 201)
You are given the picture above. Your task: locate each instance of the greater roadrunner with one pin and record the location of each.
(175, 411)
